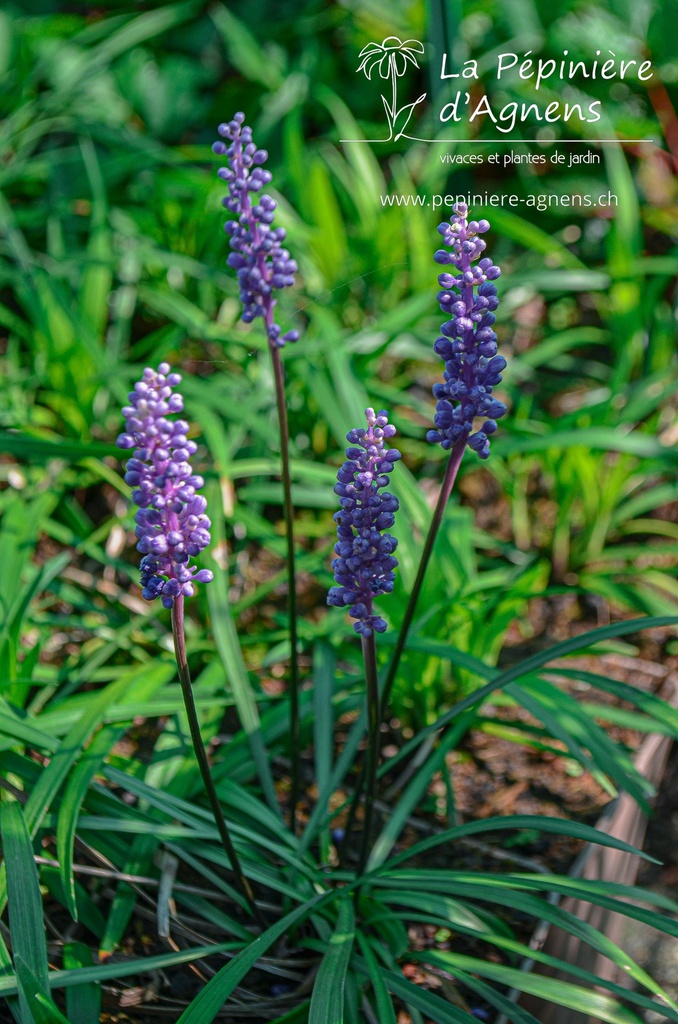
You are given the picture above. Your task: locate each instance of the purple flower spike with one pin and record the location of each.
(171, 523)
(261, 263)
(468, 343)
(365, 563)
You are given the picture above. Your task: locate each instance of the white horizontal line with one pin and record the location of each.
(468, 142)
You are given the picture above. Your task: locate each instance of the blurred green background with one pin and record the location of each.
(112, 256)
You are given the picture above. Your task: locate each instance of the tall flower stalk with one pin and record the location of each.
(364, 569)
(263, 267)
(468, 345)
(172, 528)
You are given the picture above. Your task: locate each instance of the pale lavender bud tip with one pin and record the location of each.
(261, 262)
(171, 527)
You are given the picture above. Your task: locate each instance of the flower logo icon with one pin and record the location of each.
(391, 58)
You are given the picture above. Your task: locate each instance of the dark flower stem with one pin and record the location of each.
(453, 464)
(345, 844)
(369, 647)
(291, 577)
(201, 756)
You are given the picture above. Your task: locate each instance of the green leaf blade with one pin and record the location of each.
(327, 1003)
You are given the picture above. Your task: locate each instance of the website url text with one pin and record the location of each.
(538, 202)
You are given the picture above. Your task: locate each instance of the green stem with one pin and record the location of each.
(451, 471)
(201, 757)
(291, 576)
(369, 647)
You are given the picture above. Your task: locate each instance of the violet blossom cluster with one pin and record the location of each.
(261, 263)
(365, 562)
(171, 523)
(468, 343)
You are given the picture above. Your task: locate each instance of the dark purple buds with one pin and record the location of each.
(468, 345)
(365, 563)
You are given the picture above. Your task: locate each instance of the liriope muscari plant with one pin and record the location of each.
(468, 345)
(264, 267)
(172, 531)
(172, 528)
(364, 567)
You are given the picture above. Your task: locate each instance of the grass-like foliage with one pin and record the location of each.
(222, 799)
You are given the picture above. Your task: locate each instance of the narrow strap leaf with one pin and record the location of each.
(327, 1004)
